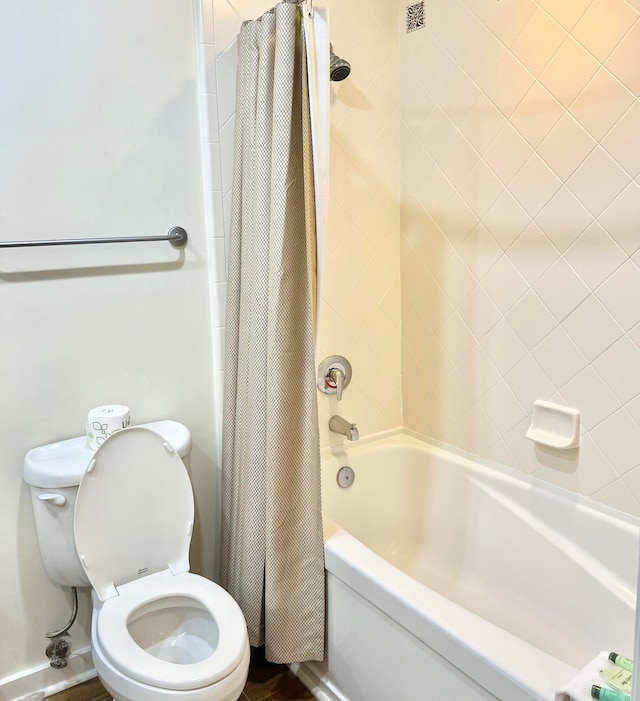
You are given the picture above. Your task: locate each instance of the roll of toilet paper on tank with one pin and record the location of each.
(103, 421)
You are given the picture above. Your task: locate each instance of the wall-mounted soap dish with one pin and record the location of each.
(554, 425)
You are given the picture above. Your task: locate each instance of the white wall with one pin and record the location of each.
(99, 136)
(361, 294)
(521, 203)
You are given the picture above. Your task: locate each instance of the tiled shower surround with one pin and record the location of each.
(498, 148)
(520, 233)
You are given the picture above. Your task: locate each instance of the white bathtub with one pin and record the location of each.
(447, 579)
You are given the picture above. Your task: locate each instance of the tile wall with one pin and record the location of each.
(361, 300)
(521, 232)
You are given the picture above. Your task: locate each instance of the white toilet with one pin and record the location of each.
(120, 520)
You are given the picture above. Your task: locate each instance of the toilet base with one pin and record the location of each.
(123, 688)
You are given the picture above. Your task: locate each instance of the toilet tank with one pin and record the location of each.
(53, 473)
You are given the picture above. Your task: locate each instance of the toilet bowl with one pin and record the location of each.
(158, 631)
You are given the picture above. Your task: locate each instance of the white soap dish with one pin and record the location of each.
(554, 425)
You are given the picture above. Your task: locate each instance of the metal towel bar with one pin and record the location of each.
(177, 237)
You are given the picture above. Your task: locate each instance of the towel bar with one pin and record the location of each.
(177, 237)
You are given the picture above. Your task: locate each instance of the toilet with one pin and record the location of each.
(120, 520)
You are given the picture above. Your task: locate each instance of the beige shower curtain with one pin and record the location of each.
(272, 547)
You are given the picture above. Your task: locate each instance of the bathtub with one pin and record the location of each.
(449, 579)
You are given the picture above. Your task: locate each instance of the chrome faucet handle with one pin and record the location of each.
(334, 375)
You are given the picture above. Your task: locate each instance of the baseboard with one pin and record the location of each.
(32, 683)
(321, 688)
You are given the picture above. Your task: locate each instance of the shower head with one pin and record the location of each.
(339, 69)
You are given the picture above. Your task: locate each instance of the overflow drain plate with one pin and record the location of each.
(345, 476)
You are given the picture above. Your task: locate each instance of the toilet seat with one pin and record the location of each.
(133, 520)
(126, 655)
(134, 511)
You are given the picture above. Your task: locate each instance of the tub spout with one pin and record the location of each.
(339, 425)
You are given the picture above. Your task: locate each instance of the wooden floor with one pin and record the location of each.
(266, 681)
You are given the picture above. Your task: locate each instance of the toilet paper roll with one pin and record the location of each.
(103, 421)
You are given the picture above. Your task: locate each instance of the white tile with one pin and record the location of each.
(538, 41)
(507, 153)
(226, 79)
(215, 175)
(481, 188)
(536, 114)
(457, 220)
(456, 280)
(504, 284)
(624, 60)
(506, 220)
(618, 496)
(632, 482)
(456, 337)
(522, 448)
(567, 12)
(435, 191)
(619, 367)
(509, 84)
(481, 124)
(455, 394)
(618, 437)
(530, 319)
(603, 25)
(532, 253)
(477, 428)
(529, 382)
(503, 347)
(563, 219)
(568, 72)
(226, 154)
(502, 407)
(620, 294)
(633, 408)
(621, 216)
(479, 312)
(505, 21)
(207, 68)
(534, 185)
(354, 194)
(588, 393)
(601, 103)
(561, 289)
(595, 470)
(592, 328)
(597, 181)
(376, 278)
(559, 357)
(478, 371)
(594, 255)
(566, 146)
(479, 251)
(622, 141)
(218, 304)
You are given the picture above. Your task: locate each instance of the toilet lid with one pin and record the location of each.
(134, 511)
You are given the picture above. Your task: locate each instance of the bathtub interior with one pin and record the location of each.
(542, 564)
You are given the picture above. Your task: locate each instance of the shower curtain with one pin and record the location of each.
(272, 559)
